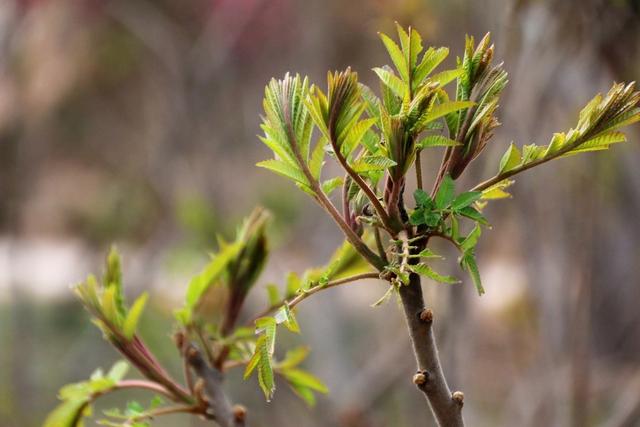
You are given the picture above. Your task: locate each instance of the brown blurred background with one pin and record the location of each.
(134, 122)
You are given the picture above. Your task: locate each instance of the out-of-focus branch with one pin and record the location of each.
(209, 390)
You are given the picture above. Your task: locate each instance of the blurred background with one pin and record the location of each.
(134, 122)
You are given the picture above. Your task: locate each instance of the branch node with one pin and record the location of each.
(239, 413)
(421, 378)
(179, 339)
(458, 398)
(426, 316)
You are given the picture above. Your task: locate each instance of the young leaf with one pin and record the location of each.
(465, 199)
(510, 159)
(131, 321)
(396, 56)
(436, 141)
(424, 270)
(445, 193)
(471, 240)
(468, 263)
(392, 81)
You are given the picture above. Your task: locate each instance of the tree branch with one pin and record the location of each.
(315, 289)
(219, 407)
(446, 407)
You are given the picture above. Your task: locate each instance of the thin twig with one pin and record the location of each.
(314, 290)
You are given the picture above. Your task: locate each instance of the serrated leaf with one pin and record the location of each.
(510, 159)
(445, 193)
(428, 253)
(422, 198)
(601, 141)
(497, 191)
(472, 239)
(463, 200)
(305, 379)
(445, 77)
(373, 163)
(430, 60)
(468, 263)
(330, 185)
(285, 316)
(443, 109)
(397, 86)
(395, 53)
(201, 282)
(284, 169)
(424, 270)
(473, 214)
(133, 316)
(436, 141)
(294, 357)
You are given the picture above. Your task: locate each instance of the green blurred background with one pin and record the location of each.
(134, 122)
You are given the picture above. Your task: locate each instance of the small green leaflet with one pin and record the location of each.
(446, 192)
(436, 141)
(424, 270)
(200, 283)
(468, 263)
(511, 159)
(465, 199)
(133, 316)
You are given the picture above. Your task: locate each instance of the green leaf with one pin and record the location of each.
(373, 163)
(436, 141)
(497, 191)
(397, 86)
(430, 60)
(396, 56)
(510, 159)
(201, 282)
(424, 270)
(274, 294)
(118, 371)
(446, 108)
(113, 278)
(468, 263)
(445, 77)
(428, 253)
(472, 239)
(294, 357)
(465, 199)
(68, 414)
(330, 185)
(285, 316)
(305, 379)
(131, 321)
(599, 142)
(473, 214)
(445, 193)
(422, 198)
(284, 169)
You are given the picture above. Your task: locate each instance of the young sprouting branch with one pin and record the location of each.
(143, 384)
(218, 405)
(167, 410)
(380, 210)
(324, 201)
(314, 290)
